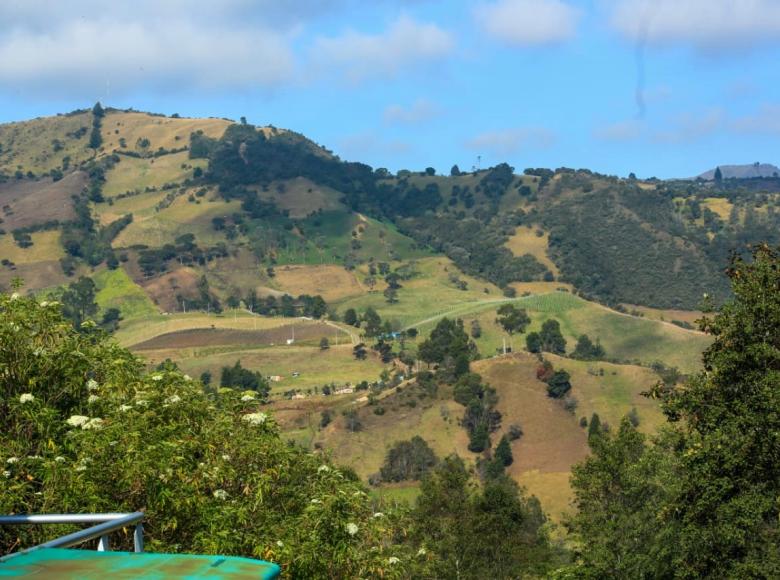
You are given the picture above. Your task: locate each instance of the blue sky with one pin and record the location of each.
(665, 88)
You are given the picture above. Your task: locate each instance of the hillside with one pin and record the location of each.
(219, 242)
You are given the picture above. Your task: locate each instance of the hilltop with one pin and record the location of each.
(746, 171)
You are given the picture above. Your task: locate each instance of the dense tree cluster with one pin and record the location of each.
(699, 500)
(408, 460)
(237, 377)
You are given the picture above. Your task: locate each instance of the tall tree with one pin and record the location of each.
(513, 319)
(552, 339)
(727, 419)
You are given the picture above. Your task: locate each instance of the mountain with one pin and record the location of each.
(210, 242)
(747, 171)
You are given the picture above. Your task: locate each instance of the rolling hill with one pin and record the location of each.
(213, 239)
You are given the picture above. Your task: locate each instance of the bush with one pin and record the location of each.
(90, 431)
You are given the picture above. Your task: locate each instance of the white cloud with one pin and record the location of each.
(418, 112)
(405, 44)
(81, 46)
(706, 24)
(528, 22)
(509, 141)
(765, 121)
(620, 132)
(692, 127)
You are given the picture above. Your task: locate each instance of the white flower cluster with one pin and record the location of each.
(12, 460)
(92, 385)
(248, 397)
(26, 398)
(157, 377)
(93, 399)
(352, 528)
(85, 422)
(393, 560)
(173, 399)
(125, 408)
(322, 468)
(255, 418)
(221, 494)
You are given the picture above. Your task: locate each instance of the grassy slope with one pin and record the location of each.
(46, 246)
(117, 290)
(29, 145)
(134, 174)
(526, 241)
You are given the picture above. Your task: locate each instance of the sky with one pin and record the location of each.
(666, 88)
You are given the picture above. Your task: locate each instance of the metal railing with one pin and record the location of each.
(106, 523)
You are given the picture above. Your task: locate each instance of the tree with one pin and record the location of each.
(503, 453)
(476, 329)
(372, 321)
(391, 295)
(448, 339)
(492, 531)
(237, 377)
(351, 317)
(205, 378)
(533, 342)
(558, 384)
(324, 343)
(408, 460)
(594, 427)
(618, 496)
(587, 350)
(359, 351)
(455, 171)
(78, 301)
(718, 175)
(512, 319)
(98, 111)
(95, 138)
(551, 337)
(726, 419)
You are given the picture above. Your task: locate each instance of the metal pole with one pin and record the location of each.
(138, 538)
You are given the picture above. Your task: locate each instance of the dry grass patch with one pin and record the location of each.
(526, 241)
(163, 132)
(720, 206)
(328, 280)
(46, 247)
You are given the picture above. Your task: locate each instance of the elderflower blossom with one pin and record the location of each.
(77, 420)
(226, 457)
(12, 460)
(93, 399)
(379, 515)
(221, 494)
(156, 377)
(173, 399)
(352, 528)
(322, 468)
(59, 459)
(96, 423)
(26, 398)
(315, 500)
(280, 543)
(7, 474)
(141, 403)
(248, 397)
(255, 418)
(393, 560)
(92, 385)
(15, 296)
(44, 304)
(187, 378)
(125, 408)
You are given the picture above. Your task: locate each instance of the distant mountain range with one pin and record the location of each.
(743, 171)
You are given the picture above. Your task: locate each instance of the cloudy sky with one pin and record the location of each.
(659, 87)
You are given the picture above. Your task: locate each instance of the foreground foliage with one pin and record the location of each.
(84, 429)
(703, 499)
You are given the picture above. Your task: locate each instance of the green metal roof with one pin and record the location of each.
(66, 564)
